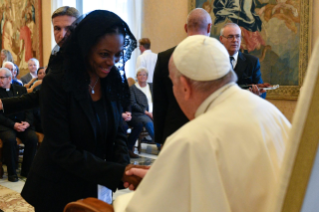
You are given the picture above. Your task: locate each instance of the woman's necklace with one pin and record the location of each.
(92, 87)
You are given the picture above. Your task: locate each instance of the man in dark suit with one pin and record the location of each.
(33, 65)
(168, 117)
(16, 125)
(247, 67)
(62, 18)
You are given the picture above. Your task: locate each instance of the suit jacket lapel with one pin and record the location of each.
(140, 97)
(15, 91)
(29, 77)
(241, 65)
(84, 102)
(115, 118)
(2, 93)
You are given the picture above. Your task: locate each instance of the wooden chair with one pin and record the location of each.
(88, 205)
(40, 138)
(130, 81)
(19, 143)
(142, 135)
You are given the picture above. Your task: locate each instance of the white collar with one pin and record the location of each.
(138, 86)
(235, 56)
(33, 76)
(55, 50)
(210, 99)
(147, 51)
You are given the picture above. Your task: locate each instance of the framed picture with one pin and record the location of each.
(21, 31)
(275, 31)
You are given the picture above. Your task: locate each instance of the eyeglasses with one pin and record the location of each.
(1, 78)
(231, 37)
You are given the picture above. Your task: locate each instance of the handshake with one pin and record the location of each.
(133, 175)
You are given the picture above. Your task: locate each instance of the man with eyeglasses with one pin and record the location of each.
(247, 67)
(16, 125)
(13, 70)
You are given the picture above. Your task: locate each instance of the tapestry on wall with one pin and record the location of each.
(275, 31)
(21, 30)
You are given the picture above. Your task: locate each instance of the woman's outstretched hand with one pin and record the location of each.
(130, 180)
(136, 171)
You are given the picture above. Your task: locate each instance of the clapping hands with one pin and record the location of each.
(133, 175)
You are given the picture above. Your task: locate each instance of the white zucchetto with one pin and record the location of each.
(201, 58)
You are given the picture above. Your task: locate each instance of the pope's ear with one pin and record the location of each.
(185, 28)
(186, 88)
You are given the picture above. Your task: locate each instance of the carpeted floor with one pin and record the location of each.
(11, 201)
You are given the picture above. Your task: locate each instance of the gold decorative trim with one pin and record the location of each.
(191, 5)
(38, 19)
(292, 92)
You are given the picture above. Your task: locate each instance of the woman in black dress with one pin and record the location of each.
(82, 97)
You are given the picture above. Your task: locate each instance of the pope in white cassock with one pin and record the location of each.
(227, 158)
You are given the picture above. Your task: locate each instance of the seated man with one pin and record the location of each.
(33, 65)
(142, 102)
(16, 125)
(13, 70)
(228, 156)
(246, 66)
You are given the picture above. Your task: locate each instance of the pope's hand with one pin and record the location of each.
(132, 180)
(139, 172)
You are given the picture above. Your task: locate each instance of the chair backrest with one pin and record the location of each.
(88, 205)
(130, 81)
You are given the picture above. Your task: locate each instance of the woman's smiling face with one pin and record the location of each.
(105, 54)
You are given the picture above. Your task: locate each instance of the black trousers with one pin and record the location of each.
(135, 132)
(30, 141)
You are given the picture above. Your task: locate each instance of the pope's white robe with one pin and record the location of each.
(226, 159)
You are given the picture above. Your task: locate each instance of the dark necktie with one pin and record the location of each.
(231, 61)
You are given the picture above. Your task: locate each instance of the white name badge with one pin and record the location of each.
(104, 194)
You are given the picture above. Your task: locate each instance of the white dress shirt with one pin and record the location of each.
(234, 62)
(147, 91)
(147, 60)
